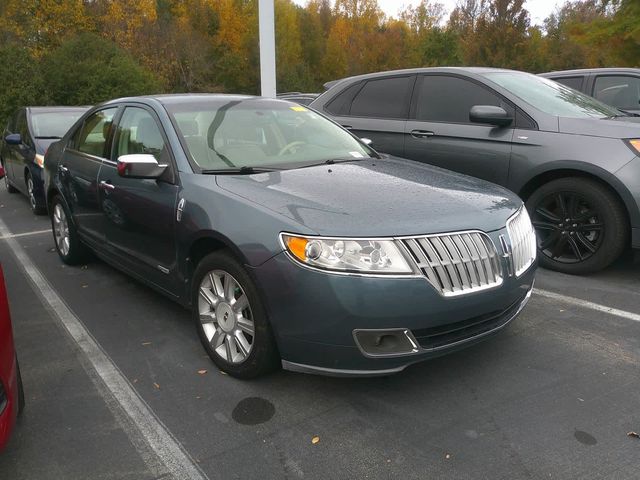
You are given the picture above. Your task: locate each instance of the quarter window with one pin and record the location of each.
(618, 90)
(138, 132)
(449, 99)
(92, 136)
(383, 98)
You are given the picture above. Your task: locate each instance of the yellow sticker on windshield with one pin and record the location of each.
(299, 109)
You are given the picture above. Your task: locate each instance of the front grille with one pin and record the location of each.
(457, 263)
(523, 241)
(444, 335)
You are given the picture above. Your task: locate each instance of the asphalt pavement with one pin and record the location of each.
(118, 386)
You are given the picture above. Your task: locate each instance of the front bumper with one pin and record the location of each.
(316, 317)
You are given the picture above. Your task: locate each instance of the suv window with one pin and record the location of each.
(571, 82)
(341, 103)
(138, 132)
(618, 90)
(383, 98)
(92, 137)
(449, 99)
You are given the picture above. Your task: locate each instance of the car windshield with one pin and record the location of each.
(222, 134)
(551, 97)
(53, 124)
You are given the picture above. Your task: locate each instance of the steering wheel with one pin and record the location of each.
(290, 146)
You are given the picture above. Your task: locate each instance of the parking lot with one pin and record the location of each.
(118, 386)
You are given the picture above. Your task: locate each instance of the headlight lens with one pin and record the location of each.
(376, 257)
(634, 145)
(39, 160)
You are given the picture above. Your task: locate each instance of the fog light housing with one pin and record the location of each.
(386, 343)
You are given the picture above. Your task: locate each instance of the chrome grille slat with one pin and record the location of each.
(523, 241)
(457, 263)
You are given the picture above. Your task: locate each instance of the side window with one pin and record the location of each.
(92, 137)
(383, 98)
(138, 132)
(618, 90)
(341, 104)
(448, 99)
(571, 82)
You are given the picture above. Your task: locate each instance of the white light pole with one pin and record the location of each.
(267, 48)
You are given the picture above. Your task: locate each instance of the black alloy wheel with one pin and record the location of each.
(580, 225)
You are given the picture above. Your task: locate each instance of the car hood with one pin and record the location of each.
(386, 197)
(622, 127)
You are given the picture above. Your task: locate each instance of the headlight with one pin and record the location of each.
(634, 145)
(364, 256)
(39, 160)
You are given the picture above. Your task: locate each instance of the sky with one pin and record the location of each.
(538, 9)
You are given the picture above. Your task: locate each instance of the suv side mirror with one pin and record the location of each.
(13, 139)
(139, 166)
(490, 114)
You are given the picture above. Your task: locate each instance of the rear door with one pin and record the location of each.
(621, 91)
(376, 109)
(440, 132)
(78, 170)
(140, 214)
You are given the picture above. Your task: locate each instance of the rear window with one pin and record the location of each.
(571, 82)
(383, 98)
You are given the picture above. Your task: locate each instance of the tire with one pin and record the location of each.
(71, 251)
(21, 401)
(10, 188)
(35, 208)
(593, 234)
(225, 337)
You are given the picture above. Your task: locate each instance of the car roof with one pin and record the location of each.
(53, 109)
(582, 71)
(472, 70)
(175, 98)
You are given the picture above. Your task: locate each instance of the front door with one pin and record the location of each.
(440, 133)
(139, 214)
(78, 172)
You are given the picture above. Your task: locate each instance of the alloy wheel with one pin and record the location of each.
(226, 316)
(569, 228)
(32, 197)
(61, 230)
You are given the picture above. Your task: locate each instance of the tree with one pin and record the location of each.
(88, 69)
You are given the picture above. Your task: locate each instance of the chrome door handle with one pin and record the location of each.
(63, 169)
(106, 185)
(421, 133)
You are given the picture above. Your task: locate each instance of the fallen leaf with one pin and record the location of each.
(224, 373)
(202, 372)
(315, 439)
(156, 385)
(135, 380)
(447, 456)
(85, 286)
(633, 435)
(146, 343)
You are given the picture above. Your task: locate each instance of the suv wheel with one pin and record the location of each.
(230, 318)
(581, 226)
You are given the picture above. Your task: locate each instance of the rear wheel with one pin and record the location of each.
(230, 319)
(68, 245)
(581, 226)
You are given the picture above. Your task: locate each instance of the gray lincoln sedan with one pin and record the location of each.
(292, 241)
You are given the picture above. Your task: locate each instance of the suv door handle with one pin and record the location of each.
(421, 133)
(106, 185)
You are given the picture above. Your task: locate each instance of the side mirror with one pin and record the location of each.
(366, 141)
(139, 166)
(490, 114)
(13, 139)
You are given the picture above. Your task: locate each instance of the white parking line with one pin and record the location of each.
(25, 234)
(578, 302)
(159, 449)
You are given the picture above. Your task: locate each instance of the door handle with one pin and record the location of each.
(63, 169)
(421, 133)
(106, 185)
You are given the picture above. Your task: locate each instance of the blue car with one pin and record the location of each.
(26, 138)
(292, 242)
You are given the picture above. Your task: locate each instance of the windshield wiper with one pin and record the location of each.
(242, 170)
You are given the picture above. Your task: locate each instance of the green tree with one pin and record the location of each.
(88, 69)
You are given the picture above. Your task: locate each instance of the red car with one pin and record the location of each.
(11, 394)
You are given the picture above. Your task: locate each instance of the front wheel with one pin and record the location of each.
(68, 245)
(581, 226)
(35, 208)
(230, 319)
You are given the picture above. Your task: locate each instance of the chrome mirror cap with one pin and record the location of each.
(139, 165)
